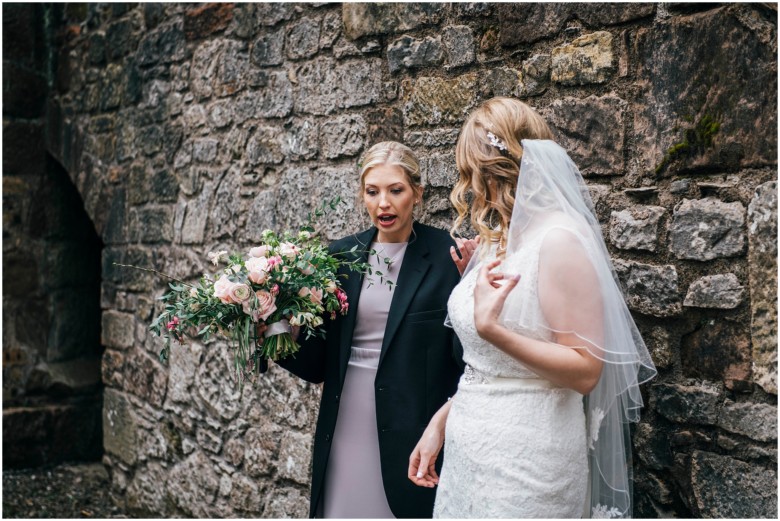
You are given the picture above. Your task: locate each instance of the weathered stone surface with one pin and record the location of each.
(294, 457)
(301, 140)
(288, 502)
(433, 101)
(653, 447)
(762, 270)
(324, 85)
(757, 421)
(203, 69)
(528, 23)
(216, 384)
(384, 124)
(439, 170)
(223, 217)
(659, 344)
(703, 123)
(364, 19)
(534, 76)
(183, 364)
(718, 350)
(459, 44)
(165, 44)
(439, 137)
(715, 291)
(588, 59)
(207, 19)
(728, 488)
(342, 136)
(651, 290)
(636, 227)
(262, 448)
(330, 29)
(117, 329)
(231, 72)
(145, 378)
(343, 183)
(265, 146)
(612, 14)
(192, 485)
(502, 81)
(303, 38)
(591, 130)
(408, 52)
(272, 13)
(687, 404)
(707, 229)
(273, 101)
(268, 49)
(220, 114)
(245, 495)
(119, 426)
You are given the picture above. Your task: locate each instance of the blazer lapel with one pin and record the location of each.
(413, 270)
(351, 287)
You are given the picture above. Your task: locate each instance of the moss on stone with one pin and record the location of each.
(696, 140)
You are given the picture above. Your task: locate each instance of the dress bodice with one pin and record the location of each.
(481, 355)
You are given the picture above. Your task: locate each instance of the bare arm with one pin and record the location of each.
(570, 300)
(422, 462)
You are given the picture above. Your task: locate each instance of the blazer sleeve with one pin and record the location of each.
(309, 362)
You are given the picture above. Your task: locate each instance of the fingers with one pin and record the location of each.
(509, 284)
(419, 473)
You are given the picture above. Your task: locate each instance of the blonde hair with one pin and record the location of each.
(394, 154)
(489, 173)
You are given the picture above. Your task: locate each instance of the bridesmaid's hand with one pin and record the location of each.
(490, 293)
(422, 462)
(466, 247)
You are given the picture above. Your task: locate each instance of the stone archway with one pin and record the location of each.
(52, 389)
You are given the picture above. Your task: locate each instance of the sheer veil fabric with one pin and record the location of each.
(581, 299)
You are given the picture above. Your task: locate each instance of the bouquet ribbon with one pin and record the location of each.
(277, 328)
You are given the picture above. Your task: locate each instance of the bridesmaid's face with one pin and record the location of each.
(389, 199)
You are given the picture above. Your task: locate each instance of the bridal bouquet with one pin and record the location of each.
(286, 280)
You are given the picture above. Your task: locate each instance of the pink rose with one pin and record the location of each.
(222, 289)
(172, 324)
(258, 269)
(274, 261)
(275, 290)
(239, 293)
(266, 304)
(314, 294)
(259, 251)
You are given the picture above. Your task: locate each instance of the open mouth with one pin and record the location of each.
(386, 219)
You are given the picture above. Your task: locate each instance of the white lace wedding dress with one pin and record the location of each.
(515, 444)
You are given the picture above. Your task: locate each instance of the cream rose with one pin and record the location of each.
(288, 249)
(259, 251)
(222, 289)
(240, 293)
(258, 269)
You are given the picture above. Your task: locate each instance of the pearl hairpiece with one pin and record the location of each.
(496, 142)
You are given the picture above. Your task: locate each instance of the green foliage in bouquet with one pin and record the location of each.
(254, 301)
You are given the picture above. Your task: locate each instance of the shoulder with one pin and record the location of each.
(434, 236)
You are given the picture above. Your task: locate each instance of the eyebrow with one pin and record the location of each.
(394, 184)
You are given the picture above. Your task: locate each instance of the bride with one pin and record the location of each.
(539, 426)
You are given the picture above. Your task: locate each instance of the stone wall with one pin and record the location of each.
(52, 391)
(187, 128)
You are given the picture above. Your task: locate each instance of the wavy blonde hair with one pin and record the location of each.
(488, 173)
(395, 154)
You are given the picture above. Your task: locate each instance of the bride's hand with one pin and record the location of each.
(490, 293)
(422, 462)
(466, 247)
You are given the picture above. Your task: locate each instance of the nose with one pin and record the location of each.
(383, 202)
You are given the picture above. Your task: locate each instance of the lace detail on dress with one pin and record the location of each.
(470, 376)
(604, 512)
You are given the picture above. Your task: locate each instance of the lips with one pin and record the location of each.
(386, 219)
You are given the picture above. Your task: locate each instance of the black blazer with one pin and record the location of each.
(419, 365)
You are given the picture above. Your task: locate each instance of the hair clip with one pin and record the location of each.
(496, 142)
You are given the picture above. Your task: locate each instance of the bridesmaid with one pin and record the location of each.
(390, 363)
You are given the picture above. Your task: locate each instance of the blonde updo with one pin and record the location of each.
(489, 173)
(394, 154)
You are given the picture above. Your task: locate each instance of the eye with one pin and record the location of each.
(396, 190)
(371, 192)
